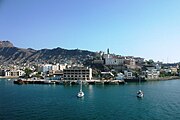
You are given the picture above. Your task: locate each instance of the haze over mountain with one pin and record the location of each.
(11, 54)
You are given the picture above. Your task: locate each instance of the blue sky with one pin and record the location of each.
(145, 28)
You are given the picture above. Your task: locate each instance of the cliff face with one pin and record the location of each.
(11, 54)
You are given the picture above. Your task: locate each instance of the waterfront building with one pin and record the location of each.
(14, 73)
(174, 70)
(77, 73)
(120, 76)
(152, 74)
(128, 74)
(151, 71)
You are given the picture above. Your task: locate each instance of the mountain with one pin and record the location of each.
(6, 44)
(10, 54)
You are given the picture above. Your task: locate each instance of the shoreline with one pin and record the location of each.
(69, 82)
(164, 78)
(9, 77)
(155, 79)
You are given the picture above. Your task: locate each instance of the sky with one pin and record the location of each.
(142, 28)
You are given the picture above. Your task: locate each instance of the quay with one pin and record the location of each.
(69, 82)
(39, 81)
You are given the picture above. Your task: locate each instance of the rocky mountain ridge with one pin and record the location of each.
(10, 54)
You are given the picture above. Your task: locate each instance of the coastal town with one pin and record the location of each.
(89, 60)
(103, 66)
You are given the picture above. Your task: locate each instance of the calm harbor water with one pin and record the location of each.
(110, 102)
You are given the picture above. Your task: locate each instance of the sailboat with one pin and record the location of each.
(80, 93)
(140, 93)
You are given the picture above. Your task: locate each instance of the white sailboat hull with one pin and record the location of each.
(80, 94)
(140, 95)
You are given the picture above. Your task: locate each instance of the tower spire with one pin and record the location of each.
(108, 51)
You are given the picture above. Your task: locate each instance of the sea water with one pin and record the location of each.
(101, 102)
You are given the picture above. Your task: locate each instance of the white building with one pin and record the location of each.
(130, 61)
(113, 60)
(44, 67)
(120, 76)
(14, 73)
(152, 74)
(55, 67)
(128, 74)
(62, 67)
(77, 73)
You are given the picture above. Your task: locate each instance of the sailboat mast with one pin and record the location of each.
(139, 83)
(81, 86)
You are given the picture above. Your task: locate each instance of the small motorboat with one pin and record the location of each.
(140, 94)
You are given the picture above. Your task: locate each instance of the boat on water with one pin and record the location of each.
(80, 93)
(140, 94)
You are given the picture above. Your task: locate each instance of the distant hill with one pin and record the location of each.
(11, 54)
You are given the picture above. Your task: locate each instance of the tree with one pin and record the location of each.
(27, 72)
(38, 75)
(150, 62)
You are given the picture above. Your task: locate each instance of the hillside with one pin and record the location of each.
(10, 54)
